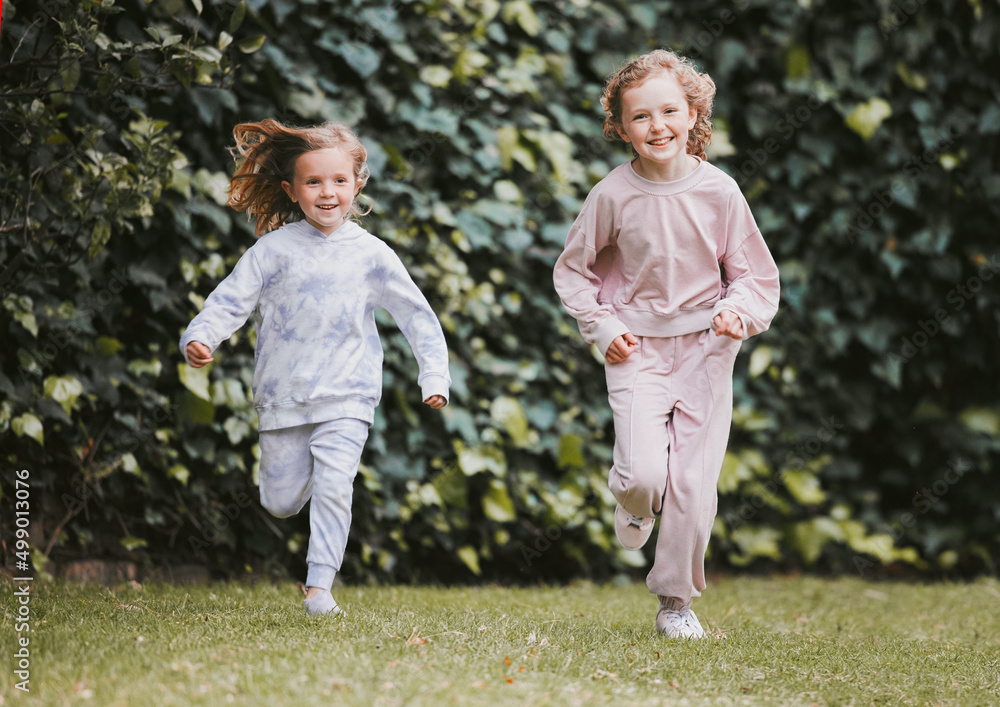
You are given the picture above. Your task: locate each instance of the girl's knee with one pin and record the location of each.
(640, 479)
(642, 500)
(279, 509)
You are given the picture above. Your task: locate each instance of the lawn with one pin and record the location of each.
(795, 641)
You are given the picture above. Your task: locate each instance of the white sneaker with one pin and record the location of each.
(678, 624)
(322, 603)
(632, 532)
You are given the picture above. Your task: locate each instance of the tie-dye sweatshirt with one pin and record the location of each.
(313, 299)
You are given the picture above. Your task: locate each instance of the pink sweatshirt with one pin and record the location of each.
(663, 258)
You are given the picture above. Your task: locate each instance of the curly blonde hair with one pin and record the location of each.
(699, 90)
(265, 153)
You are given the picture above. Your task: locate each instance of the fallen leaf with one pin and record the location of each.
(415, 639)
(506, 661)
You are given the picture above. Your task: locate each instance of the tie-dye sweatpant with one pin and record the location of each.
(318, 462)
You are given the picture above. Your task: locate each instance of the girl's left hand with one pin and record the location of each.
(728, 324)
(436, 401)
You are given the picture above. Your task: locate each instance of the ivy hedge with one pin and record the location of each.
(865, 136)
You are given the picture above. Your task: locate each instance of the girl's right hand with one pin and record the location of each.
(198, 354)
(621, 348)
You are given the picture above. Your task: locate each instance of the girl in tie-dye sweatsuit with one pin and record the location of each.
(311, 285)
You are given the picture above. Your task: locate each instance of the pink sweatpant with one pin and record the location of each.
(672, 401)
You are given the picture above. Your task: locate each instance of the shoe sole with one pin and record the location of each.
(623, 527)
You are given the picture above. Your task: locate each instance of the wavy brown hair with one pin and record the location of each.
(699, 90)
(265, 153)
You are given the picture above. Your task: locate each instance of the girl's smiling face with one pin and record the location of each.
(324, 187)
(656, 119)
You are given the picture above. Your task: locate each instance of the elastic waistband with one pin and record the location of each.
(663, 325)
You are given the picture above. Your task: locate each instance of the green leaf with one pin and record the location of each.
(236, 429)
(755, 541)
(195, 379)
(474, 460)
(911, 78)
(497, 504)
(521, 12)
(865, 118)
(436, 75)
(139, 367)
(362, 58)
(195, 409)
(797, 62)
(65, 390)
(735, 470)
(21, 308)
(251, 44)
(71, 76)
(571, 451)
(467, 554)
(130, 465)
(28, 424)
(809, 537)
(99, 238)
(760, 359)
(507, 138)
(451, 486)
(108, 346)
(981, 419)
(230, 393)
(132, 543)
(880, 545)
(239, 12)
(804, 486)
(179, 472)
(507, 412)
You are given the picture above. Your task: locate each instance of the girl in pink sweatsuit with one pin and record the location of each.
(666, 272)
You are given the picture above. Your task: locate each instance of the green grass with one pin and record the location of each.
(796, 641)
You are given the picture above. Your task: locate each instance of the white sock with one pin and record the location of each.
(321, 603)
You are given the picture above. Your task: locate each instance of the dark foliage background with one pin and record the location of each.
(865, 136)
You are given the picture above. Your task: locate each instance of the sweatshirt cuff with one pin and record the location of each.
(607, 330)
(720, 306)
(186, 338)
(434, 385)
